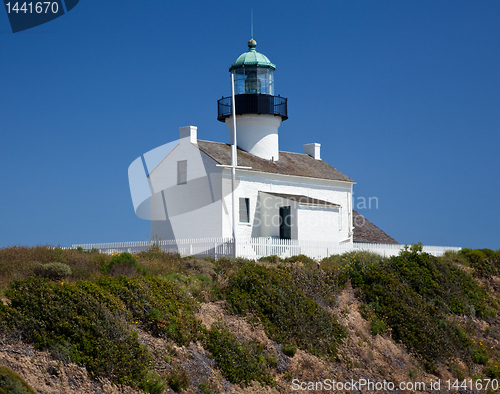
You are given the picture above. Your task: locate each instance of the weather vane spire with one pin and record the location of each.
(251, 23)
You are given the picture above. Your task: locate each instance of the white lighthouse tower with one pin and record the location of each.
(259, 112)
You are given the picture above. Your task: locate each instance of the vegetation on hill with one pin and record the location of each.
(288, 315)
(89, 308)
(416, 296)
(241, 362)
(12, 383)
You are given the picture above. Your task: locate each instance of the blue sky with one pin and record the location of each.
(403, 96)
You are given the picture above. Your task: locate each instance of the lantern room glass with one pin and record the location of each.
(254, 80)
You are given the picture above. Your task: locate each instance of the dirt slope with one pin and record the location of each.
(363, 356)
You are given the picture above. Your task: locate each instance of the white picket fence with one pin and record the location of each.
(214, 247)
(394, 249)
(254, 248)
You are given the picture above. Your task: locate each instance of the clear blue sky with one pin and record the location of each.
(403, 96)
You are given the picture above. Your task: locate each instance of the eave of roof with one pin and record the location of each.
(296, 164)
(301, 199)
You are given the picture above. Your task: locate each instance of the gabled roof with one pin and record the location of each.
(366, 231)
(301, 199)
(297, 164)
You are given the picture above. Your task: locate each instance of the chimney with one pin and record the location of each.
(312, 150)
(189, 132)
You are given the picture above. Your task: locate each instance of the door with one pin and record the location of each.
(285, 223)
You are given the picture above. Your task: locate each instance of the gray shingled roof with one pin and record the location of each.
(301, 199)
(366, 231)
(298, 164)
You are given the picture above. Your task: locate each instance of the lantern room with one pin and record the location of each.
(253, 87)
(253, 72)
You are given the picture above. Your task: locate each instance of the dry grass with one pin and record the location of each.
(20, 262)
(159, 263)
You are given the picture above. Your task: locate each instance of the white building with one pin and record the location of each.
(186, 189)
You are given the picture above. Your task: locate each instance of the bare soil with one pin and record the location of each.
(362, 356)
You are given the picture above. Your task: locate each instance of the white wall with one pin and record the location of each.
(257, 134)
(191, 210)
(250, 183)
(318, 223)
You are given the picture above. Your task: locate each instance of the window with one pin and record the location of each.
(182, 172)
(244, 210)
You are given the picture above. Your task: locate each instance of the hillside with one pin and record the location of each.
(83, 322)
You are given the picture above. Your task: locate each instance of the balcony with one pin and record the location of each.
(253, 104)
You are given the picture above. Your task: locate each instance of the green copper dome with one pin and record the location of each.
(252, 58)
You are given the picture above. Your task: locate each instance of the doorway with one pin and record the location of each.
(285, 222)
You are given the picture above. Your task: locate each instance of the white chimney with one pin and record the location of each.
(312, 150)
(189, 132)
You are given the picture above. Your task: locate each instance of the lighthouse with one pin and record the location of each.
(203, 192)
(259, 112)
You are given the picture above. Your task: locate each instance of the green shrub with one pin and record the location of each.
(442, 284)
(204, 387)
(322, 286)
(158, 304)
(178, 379)
(453, 256)
(79, 249)
(198, 267)
(333, 259)
(378, 326)
(274, 259)
(480, 355)
(227, 267)
(462, 336)
(56, 271)
(158, 262)
(492, 370)
(239, 362)
(12, 383)
(197, 285)
(123, 264)
(289, 350)
(286, 313)
(152, 384)
(113, 303)
(357, 264)
(271, 360)
(366, 311)
(413, 293)
(69, 321)
(484, 261)
(302, 260)
(9, 318)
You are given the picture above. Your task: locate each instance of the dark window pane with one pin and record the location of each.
(244, 210)
(182, 172)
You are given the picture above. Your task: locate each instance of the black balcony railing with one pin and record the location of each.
(252, 104)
